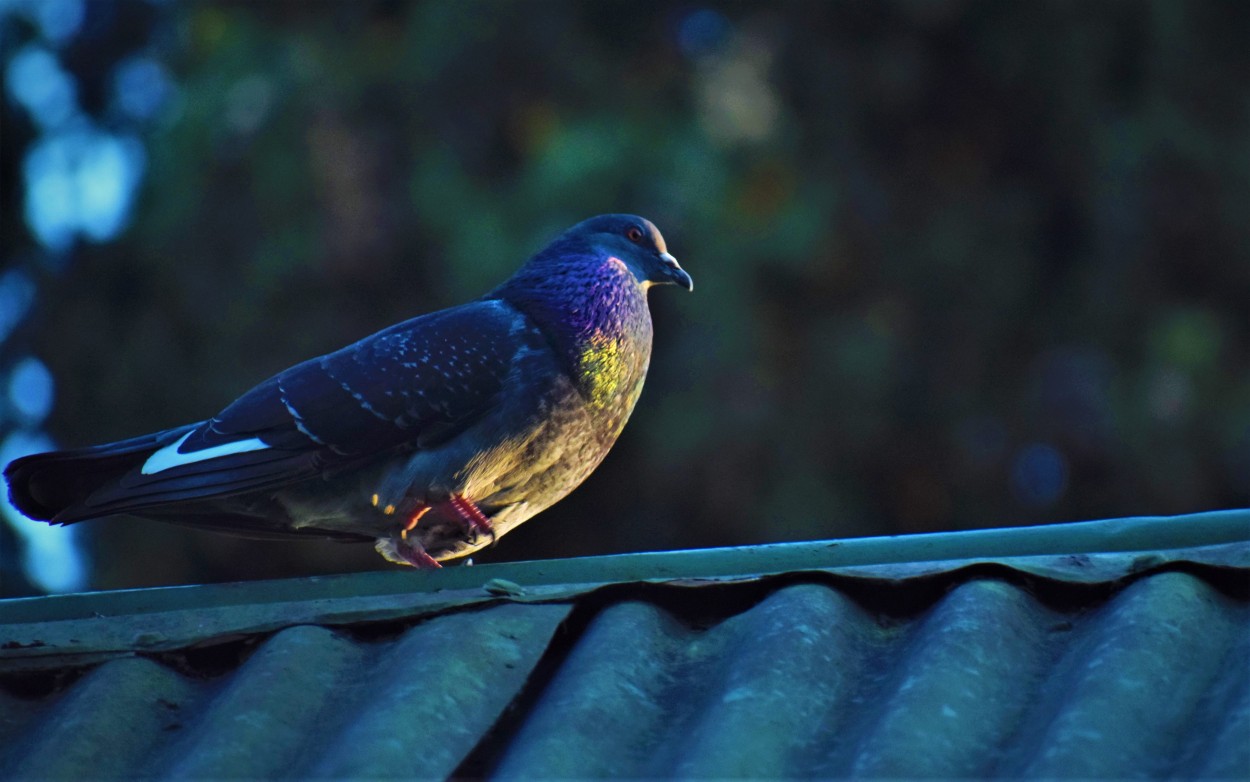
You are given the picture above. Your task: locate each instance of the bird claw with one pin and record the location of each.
(406, 552)
(463, 510)
(416, 555)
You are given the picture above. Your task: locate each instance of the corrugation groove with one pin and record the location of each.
(1218, 744)
(987, 682)
(270, 712)
(788, 675)
(424, 703)
(107, 724)
(644, 695)
(966, 677)
(308, 702)
(603, 709)
(17, 716)
(1133, 677)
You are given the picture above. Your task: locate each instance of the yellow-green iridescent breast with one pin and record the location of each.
(602, 369)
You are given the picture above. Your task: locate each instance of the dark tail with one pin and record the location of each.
(54, 486)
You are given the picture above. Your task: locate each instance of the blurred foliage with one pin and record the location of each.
(957, 263)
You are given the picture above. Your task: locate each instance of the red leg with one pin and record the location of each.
(403, 551)
(412, 522)
(472, 515)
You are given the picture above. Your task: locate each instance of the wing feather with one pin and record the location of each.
(410, 386)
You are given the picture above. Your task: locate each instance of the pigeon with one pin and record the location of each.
(431, 438)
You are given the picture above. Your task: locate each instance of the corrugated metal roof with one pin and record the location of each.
(1075, 652)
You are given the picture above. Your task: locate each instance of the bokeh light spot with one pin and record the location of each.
(81, 181)
(38, 83)
(1039, 475)
(107, 175)
(1190, 338)
(142, 87)
(31, 390)
(59, 20)
(248, 104)
(701, 32)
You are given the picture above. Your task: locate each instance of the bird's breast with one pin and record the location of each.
(607, 369)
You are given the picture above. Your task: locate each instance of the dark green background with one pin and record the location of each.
(930, 241)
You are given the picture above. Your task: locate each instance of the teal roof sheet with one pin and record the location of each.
(1103, 649)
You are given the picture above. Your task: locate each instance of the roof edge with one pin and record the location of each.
(1108, 536)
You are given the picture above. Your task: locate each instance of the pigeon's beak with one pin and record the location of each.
(675, 273)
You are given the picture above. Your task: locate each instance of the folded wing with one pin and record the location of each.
(410, 386)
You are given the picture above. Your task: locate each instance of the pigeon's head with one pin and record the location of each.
(634, 241)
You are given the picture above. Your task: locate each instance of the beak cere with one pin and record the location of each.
(675, 273)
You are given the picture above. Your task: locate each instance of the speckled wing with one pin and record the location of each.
(411, 386)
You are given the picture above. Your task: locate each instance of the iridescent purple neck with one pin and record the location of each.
(581, 298)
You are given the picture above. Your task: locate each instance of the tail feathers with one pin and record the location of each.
(51, 486)
(63, 487)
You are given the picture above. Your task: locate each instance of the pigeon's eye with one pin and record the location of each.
(634, 234)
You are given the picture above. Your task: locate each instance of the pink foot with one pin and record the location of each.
(407, 549)
(414, 554)
(401, 551)
(471, 515)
